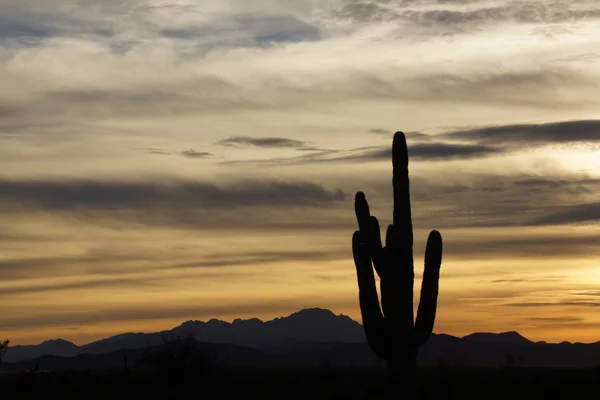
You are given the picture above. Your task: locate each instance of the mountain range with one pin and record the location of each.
(307, 337)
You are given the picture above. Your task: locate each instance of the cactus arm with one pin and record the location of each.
(369, 228)
(363, 214)
(373, 322)
(429, 289)
(366, 247)
(375, 247)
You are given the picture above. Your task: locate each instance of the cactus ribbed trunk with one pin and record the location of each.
(391, 329)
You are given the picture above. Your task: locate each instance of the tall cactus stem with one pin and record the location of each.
(390, 327)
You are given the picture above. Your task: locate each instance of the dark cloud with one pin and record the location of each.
(99, 265)
(504, 200)
(541, 182)
(153, 150)
(521, 196)
(418, 137)
(410, 136)
(113, 22)
(417, 152)
(6, 111)
(444, 17)
(11, 28)
(571, 214)
(25, 20)
(472, 200)
(69, 195)
(249, 30)
(176, 204)
(268, 142)
(429, 152)
(248, 205)
(499, 200)
(380, 132)
(520, 246)
(537, 12)
(361, 11)
(194, 154)
(568, 132)
(317, 149)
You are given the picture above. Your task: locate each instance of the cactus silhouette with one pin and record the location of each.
(390, 329)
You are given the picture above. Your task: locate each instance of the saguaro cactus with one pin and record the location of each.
(391, 332)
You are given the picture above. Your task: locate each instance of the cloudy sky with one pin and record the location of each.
(191, 159)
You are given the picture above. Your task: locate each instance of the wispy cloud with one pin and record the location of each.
(429, 152)
(269, 142)
(248, 30)
(567, 132)
(580, 213)
(418, 152)
(196, 154)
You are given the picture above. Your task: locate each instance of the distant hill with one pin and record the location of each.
(306, 337)
(498, 338)
(56, 347)
(235, 355)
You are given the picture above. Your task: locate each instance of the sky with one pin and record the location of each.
(162, 161)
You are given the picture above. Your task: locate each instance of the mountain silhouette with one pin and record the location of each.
(316, 325)
(305, 338)
(498, 338)
(309, 325)
(57, 347)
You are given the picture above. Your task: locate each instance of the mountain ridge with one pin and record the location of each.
(312, 328)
